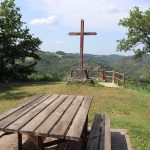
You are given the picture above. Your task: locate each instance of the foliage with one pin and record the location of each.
(137, 71)
(16, 44)
(136, 84)
(59, 64)
(138, 36)
(43, 77)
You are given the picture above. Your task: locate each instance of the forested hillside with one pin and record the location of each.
(134, 67)
(57, 65)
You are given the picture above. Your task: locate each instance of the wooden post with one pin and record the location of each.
(103, 75)
(117, 78)
(19, 141)
(84, 134)
(39, 143)
(123, 79)
(113, 76)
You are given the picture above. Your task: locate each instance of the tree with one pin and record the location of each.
(17, 45)
(138, 36)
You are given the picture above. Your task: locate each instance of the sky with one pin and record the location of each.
(52, 20)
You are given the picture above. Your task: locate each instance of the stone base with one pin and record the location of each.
(79, 74)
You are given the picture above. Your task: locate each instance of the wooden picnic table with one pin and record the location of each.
(64, 117)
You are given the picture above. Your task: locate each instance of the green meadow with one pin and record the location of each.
(128, 109)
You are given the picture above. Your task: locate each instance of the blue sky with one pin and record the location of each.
(51, 20)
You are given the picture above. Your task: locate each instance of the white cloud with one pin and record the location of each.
(111, 9)
(51, 20)
(96, 13)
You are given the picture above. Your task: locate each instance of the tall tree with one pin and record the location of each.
(138, 35)
(16, 44)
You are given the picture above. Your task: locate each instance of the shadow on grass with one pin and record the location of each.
(14, 96)
(11, 91)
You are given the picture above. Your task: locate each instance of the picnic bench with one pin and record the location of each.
(64, 117)
(100, 135)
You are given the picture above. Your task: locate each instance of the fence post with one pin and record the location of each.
(71, 73)
(113, 76)
(124, 79)
(103, 75)
(117, 78)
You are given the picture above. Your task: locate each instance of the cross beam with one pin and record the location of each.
(82, 33)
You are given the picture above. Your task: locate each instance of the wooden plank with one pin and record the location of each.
(35, 122)
(15, 126)
(50, 122)
(20, 112)
(60, 129)
(105, 140)
(55, 142)
(2, 134)
(29, 101)
(85, 33)
(94, 137)
(108, 76)
(76, 128)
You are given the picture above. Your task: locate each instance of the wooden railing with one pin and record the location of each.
(115, 77)
(104, 75)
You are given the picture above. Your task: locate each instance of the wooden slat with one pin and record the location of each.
(62, 126)
(77, 125)
(29, 101)
(109, 71)
(85, 33)
(94, 137)
(105, 141)
(31, 114)
(49, 123)
(2, 134)
(21, 111)
(35, 122)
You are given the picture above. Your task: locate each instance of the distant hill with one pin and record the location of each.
(60, 63)
(137, 68)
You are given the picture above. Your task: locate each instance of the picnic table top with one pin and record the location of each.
(48, 115)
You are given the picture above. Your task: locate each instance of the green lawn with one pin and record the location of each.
(127, 108)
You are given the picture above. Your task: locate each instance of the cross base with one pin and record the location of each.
(80, 75)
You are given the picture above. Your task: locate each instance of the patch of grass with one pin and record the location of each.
(127, 108)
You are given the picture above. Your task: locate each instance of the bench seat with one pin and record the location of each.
(100, 136)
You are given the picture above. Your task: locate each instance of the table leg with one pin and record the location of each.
(19, 141)
(84, 135)
(39, 143)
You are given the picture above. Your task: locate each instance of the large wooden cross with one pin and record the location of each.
(82, 33)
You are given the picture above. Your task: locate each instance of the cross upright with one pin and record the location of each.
(82, 33)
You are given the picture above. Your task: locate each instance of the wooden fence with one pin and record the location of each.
(115, 77)
(103, 75)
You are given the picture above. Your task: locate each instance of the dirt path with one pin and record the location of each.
(112, 85)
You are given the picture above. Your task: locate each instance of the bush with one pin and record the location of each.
(43, 77)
